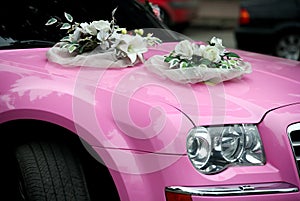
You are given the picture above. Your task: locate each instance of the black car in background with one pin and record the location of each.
(22, 24)
(270, 27)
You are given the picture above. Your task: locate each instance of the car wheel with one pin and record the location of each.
(49, 171)
(288, 46)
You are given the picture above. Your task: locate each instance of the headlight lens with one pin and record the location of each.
(199, 147)
(213, 149)
(232, 140)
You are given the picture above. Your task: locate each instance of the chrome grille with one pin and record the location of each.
(294, 135)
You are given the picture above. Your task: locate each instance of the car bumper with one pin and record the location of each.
(263, 191)
(278, 180)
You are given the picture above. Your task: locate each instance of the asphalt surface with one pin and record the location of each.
(204, 34)
(215, 18)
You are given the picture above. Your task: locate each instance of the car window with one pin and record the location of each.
(25, 20)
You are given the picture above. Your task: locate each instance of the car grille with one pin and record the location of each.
(294, 135)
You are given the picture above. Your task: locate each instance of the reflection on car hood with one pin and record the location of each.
(273, 83)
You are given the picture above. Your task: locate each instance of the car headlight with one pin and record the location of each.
(213, 149)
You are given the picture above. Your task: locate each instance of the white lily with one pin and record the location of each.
(133, 47)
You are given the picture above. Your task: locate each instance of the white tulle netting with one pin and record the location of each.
(196, 74)
(95, 58)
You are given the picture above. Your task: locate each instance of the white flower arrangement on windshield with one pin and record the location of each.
(192, 63)
(104, 36)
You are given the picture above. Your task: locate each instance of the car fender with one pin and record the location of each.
(292, 26)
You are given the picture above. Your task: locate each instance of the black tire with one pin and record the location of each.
(49, 171)
(288, 46)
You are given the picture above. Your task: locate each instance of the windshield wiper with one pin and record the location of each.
(16, 44)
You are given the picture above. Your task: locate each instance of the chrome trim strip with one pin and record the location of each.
(295, 142)
(237, 190)
(293, 127)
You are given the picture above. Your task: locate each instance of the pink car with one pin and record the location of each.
(130, 134)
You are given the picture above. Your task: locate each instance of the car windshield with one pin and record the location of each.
(23, 23)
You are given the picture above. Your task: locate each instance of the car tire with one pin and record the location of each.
(288, 46)
(49, 171)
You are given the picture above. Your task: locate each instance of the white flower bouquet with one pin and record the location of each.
(99, 44)
(192, 63)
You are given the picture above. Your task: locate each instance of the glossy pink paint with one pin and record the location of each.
(129, 118)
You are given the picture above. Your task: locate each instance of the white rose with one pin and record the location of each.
(212, 53)
(184, 49)
(196, 49)
(101, 25)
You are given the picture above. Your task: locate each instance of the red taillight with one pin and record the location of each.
(244, 16)
(171, 196)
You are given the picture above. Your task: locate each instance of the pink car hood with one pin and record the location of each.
(273, 83)
(135, 96)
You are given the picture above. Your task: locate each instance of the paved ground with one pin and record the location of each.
(205, 34)
(215, 18)
(217, 13)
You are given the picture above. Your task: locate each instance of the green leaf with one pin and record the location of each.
(173, 62)
(205, 61)
(66, 45)
(51, 21)
(168, 59)
(72, 48)
(183, 64)
(190, 64)
(65, 26)
(232, 54)
(66, 39)
(68, 17)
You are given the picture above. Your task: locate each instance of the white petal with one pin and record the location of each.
(132, 57)
(141, 57)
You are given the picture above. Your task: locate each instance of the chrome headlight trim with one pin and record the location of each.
(198, 146)
(213, 149)
(232, 142)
